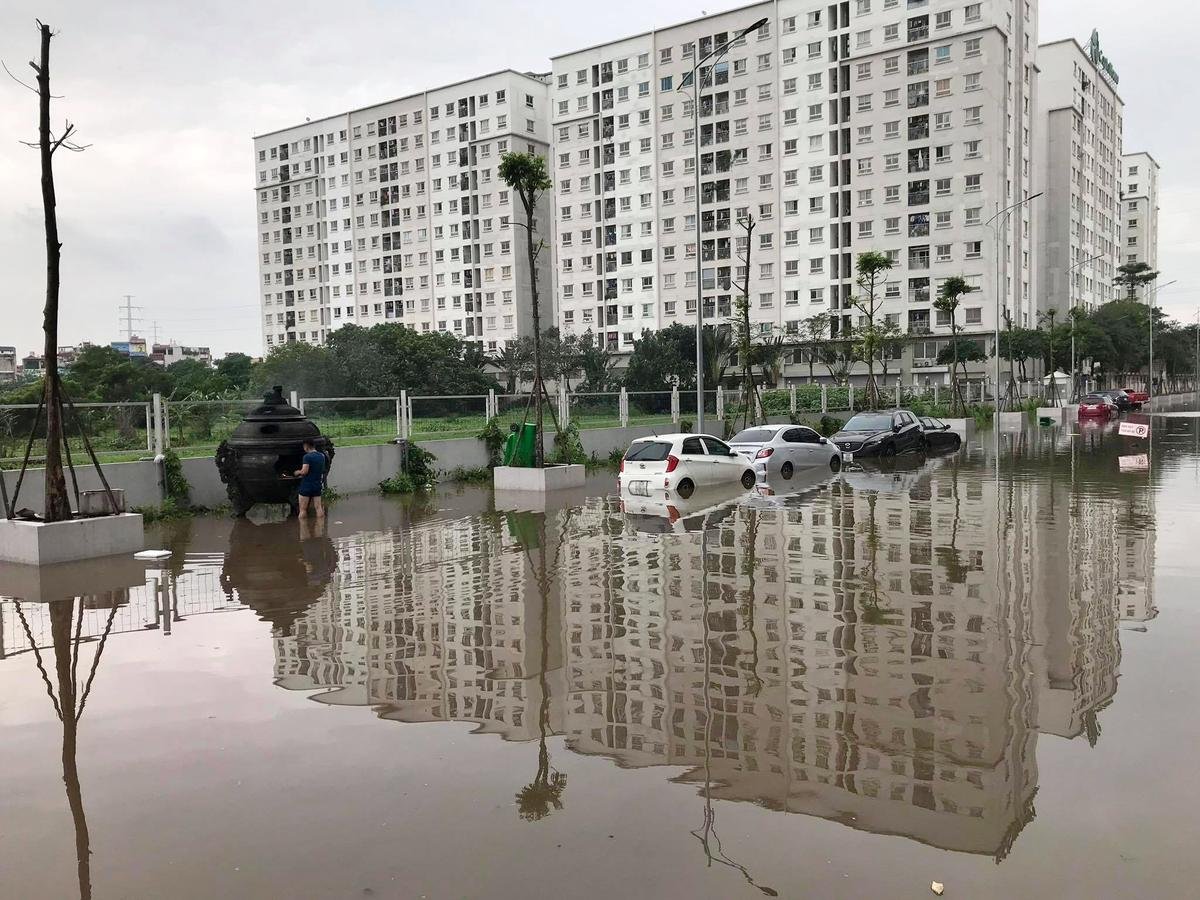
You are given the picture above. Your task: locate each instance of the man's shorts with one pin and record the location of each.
(310, 492)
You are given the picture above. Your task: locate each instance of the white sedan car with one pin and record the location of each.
(783, 450)
(680, 463)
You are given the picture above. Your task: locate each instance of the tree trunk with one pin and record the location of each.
(539, 450)
(57, 504)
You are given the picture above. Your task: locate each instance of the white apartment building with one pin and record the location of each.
(395, 212)
(1079, 165)
(893, 125)
(1139, 202)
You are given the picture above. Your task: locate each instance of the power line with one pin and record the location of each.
(129, 317)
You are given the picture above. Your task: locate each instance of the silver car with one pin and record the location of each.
(782, 450)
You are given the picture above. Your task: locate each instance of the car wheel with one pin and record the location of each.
(748, 479)
(685, 488)
(786, 470)
(835, 464)
(888, 450)
(957, 442)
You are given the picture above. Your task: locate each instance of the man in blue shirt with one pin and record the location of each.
(311, 475)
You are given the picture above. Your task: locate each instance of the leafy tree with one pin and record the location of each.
(838, 355)
(1020, 345)
(947, 302)
(192, 378)
(813, 331)
(525, 174)
(104, 375)
(1127, 324)
(663, 357)
(513, 360)
(1132, 276)
(872, 268)
(236, 367)
(302, 367)
(384, 359)
(474, 356)
(891, 345)
(595, 362)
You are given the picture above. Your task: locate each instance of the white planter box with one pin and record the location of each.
(551, 478)
(1051, 412)
(964, 428)
(42, 543)
(1010, 421)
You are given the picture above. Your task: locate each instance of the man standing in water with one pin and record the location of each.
(311, 475)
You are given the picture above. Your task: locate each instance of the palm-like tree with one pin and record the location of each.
(948, 301)
(1132, 276)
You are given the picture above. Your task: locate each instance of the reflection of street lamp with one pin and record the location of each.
(1152, 299)
(693, 82)
(997, 231)
(1071, 296)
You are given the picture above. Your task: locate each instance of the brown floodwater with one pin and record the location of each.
(847, 686)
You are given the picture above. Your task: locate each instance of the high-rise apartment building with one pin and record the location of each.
(395, 212)
(1139, 205)
(1079, 165)
(885, 125)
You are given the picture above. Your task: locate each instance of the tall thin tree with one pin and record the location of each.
(745, 337)
(872, 267)
(526, 174)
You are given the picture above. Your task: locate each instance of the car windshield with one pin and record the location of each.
(753, 436)
(649, 451)
(869, 422)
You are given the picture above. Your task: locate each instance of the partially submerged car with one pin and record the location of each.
(879, 433)
(939, 438)
(784, 450)
(680, 463)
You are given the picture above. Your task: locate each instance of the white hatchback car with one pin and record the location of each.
(783, 450)
(680, 463)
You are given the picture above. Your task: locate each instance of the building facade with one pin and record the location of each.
(870, 125)
(1139, 201)
(1079, 168)
(395, 212)
(8, 363)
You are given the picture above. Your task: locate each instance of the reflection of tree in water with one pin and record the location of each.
(706, 834)
(874, 601)
(949, 557)
(69, 702)
(746, 607)
(543, 795)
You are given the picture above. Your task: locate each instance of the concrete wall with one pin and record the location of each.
(139, 480)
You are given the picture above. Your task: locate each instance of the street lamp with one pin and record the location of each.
(1071, 294)
(997, 231)
(693, 81)
(1152, 298)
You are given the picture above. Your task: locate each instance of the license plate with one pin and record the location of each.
(639, 488)
(847, 457)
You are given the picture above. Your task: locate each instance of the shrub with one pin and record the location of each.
(568, 449)
(493, 439)
(399, 483)
(418, 465)
(829, 425)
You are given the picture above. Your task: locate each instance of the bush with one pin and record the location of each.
(399, 483)
(493, 439)
(568, 449)
(829, 426)
(176, 483)
(469, 476)
(418, 465)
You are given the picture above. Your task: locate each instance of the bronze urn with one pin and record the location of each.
(257, 461)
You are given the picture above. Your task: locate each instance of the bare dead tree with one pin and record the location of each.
(745, 338)
(57, 505)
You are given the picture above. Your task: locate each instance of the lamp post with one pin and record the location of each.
(997, 231)
(1071, 293)
(694, 83)
(1152, 299)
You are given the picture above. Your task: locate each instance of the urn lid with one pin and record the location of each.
(274, 420)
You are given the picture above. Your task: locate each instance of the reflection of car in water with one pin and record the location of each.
(778, 491)
(784, 450)
(892, 475)
(681, 463)
(938, 436)
(278, 569)
(665, 513)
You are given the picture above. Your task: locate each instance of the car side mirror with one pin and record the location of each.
(896, 427)
(823, 440)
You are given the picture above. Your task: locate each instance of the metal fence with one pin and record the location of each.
(128, 431)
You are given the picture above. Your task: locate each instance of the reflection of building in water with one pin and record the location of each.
(862, 652)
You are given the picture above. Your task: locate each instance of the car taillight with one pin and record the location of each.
(622, 469)
(672, 462)
(764, 452)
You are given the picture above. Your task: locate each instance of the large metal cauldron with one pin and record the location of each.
(258, 460)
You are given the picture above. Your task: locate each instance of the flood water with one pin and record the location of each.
(943, 673)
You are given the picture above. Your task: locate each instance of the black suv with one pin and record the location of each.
(880, 433)
(1119, 398)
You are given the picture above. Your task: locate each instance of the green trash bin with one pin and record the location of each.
(519, 448)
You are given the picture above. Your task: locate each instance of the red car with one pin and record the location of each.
(1138, 397)
(1095, 406)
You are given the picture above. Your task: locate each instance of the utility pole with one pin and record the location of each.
(127, 314)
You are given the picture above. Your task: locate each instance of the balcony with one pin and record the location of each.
(919, 33)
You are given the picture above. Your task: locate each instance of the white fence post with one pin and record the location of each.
(758, 410)
(295, 400)
(150, 428)
(824, 398)
(156, 403)
(623, 408)
(720, 403)
(793, 400)
(166, 425)
(493, 409)
(405, 416)
(399, 420)
(850, 395)
(564, 407)
(935, 393)
(675, 404)
(897, 394)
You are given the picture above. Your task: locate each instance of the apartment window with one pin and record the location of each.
(941, 54)
(865, 229)
(973, 115)
(864, 71)
(891, 97)
(972, 150)
(891, 225)
(941, 121)
(942, 252)
(814, 19)
(864, 102)
(816, 173)
(864, 166)
(973, 215)
(891, 32)
(942, 20)
(862, 7)
(974, 315)
(814, 50)
(942, 187)
(865, 197)
(971, 47)
(971, 12)
(973, 249)
(973, 182)
(891, 193)
(941, 87)
(971, 81)
(864, 134)
(891, 129)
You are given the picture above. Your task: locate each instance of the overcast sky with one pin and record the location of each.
(169, 93)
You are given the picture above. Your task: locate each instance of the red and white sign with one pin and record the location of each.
(1134, 429)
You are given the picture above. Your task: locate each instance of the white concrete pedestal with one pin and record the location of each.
(1010, 421)
(62, 581)
(43, 543)
(1051, 412)
(964, 428)
(551, 478)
